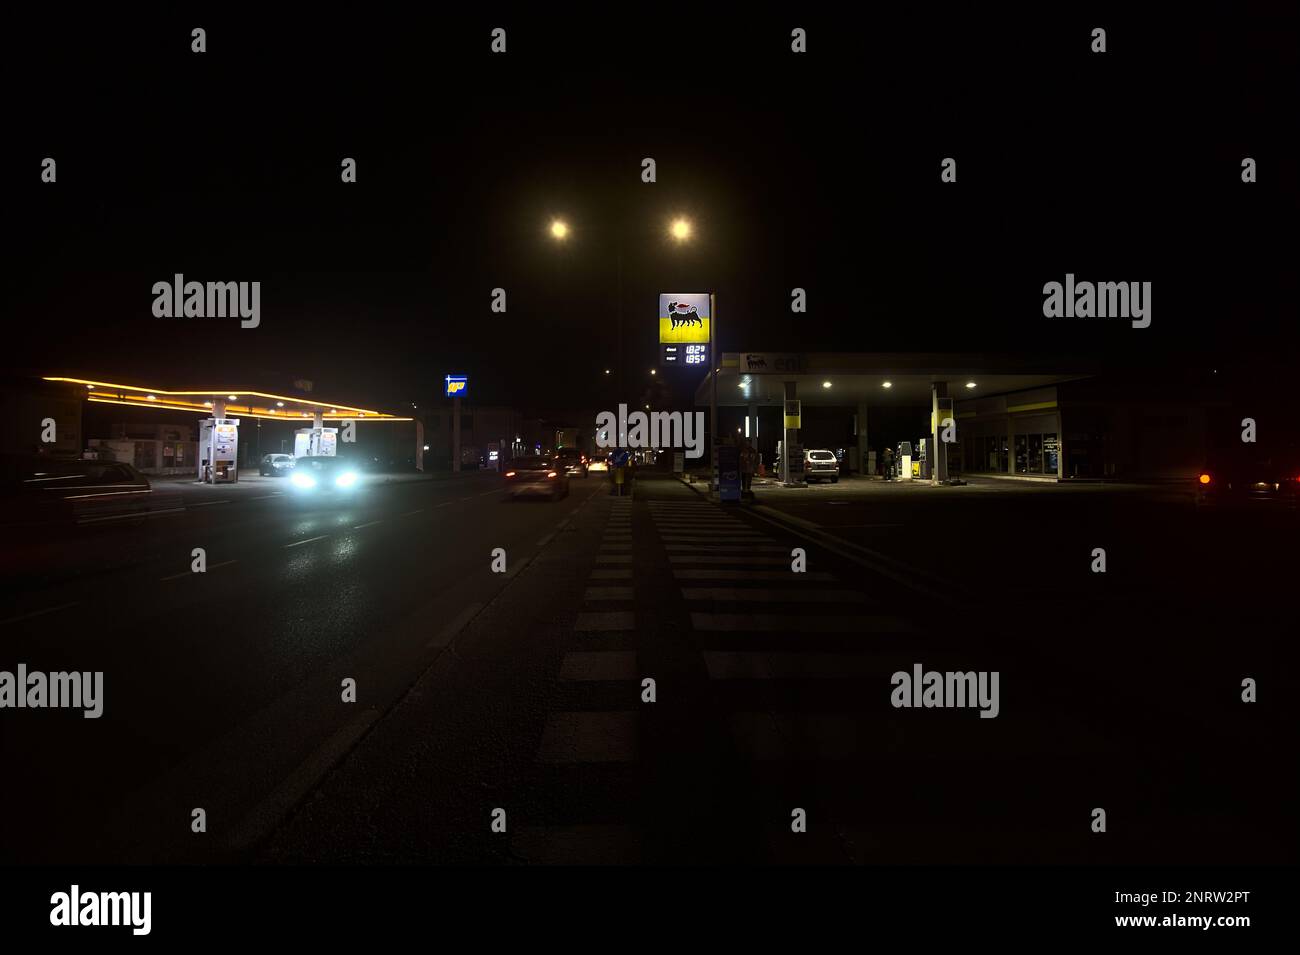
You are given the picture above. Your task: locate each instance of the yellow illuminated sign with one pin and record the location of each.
(684, 319)
(670, 334)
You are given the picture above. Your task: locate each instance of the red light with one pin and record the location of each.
(1205, 479)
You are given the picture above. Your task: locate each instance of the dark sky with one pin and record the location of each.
(820, 171)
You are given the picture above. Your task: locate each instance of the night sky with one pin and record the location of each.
(819, 171)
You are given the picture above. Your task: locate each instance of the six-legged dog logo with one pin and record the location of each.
(683, 314)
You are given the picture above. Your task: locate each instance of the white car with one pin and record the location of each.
(275, 465)
(821, 465)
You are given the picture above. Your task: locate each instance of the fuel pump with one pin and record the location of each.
(903, 459)
(219, 450)
(315, 442)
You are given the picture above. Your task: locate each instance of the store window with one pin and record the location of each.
(1037, 453)
(995, 453)
(1051, 454)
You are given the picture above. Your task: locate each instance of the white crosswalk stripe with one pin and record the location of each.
(745, 622)
(783, 595)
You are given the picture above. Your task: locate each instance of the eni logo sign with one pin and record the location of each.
(684, 318)
(457, 385)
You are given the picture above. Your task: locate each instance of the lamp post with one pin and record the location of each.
(681, 231)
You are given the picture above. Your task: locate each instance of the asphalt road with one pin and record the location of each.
(772, 696)
(219, 686)
(520, 698)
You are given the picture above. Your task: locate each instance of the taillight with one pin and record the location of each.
(550, 474)
(1205, 479)
(510, 474)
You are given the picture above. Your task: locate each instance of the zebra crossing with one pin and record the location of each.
(792, 672)
(600, 729)
(606, 622)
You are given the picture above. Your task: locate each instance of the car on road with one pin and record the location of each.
(276, 465)
(821, 465)
(572, 462)
(39, 490)
(324, 475)
(536, 475)
(1263, 479)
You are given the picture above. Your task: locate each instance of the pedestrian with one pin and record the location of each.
(748, 463)
(889, 464)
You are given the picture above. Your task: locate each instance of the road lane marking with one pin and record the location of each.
(307, 541)
(266, 497)
(697, 547)
(517, 568)
(605, 620)
(192, 573)
(267, 814)
(208, 503)
(599, 665)
(357, 527)
(546, 540)
(614, 558)
(765, 595)
(819, 575)
(607, 593)
(445, 635)
(39, 613)
(122, 517)
(745, 665)
(743, 560)
(418, 510)
(768, 622)
(897, 570)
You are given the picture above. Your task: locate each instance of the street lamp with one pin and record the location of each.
(680, 229)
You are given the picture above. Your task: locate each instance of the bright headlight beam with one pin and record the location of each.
(302, 480)
(346, 479)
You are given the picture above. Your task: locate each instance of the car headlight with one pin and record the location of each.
(346, 479)
(303, 480)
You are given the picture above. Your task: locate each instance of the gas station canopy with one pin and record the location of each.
(244, 403)
(839, 379)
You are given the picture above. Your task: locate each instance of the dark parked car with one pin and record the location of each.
(536, 476)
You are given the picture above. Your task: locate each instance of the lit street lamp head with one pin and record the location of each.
(559, 230)
(681, 230)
